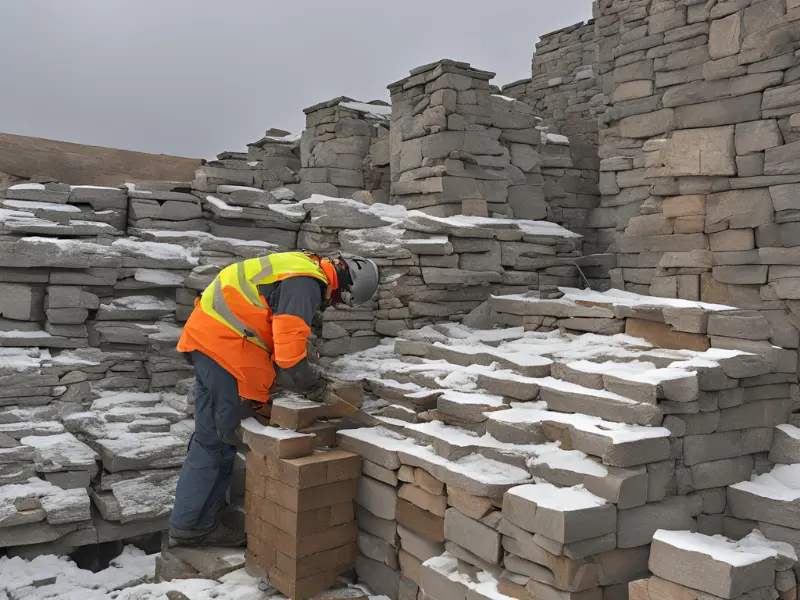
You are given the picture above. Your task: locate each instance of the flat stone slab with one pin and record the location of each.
(567, 397)
(773, 497)
(561, 514)
(60, 453)
(714, 565)
(617, 444)
(133, 452)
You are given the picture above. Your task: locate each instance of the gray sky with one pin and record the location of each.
(195, 77)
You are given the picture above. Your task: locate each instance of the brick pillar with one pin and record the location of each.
(300, 519)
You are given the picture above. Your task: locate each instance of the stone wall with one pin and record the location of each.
(699, 151)
(458, 149)
(337, 146)
(543, 459)
(96, 283)
(565, 92)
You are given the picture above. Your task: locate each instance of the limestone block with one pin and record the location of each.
(636, 526)
(725, 36)
(769, 497)
(481, 540)
(561, 514)
(757, 136)
(782, 160)
(21, 302)
(710, 564)
(378, 498)
(750, 327)
(648, 125)
(708, 151)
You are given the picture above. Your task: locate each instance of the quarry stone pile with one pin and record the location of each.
(542, 459)
(345, 150)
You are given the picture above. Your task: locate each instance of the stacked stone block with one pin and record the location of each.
(697, 149)
(565, 91)
(692, 565)
(165, 205)
(344, 149)
(620, 435)
(768, 501)
(446, 157)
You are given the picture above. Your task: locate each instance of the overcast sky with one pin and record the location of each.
(195, 77)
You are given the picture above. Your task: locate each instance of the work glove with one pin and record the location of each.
(319, 393)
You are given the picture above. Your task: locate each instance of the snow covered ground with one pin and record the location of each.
(129, 577)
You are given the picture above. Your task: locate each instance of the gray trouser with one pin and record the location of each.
(206, 474)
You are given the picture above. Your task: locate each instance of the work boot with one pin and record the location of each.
(219, 535)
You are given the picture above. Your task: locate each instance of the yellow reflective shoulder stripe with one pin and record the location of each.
(266, 269)
(249, 290)
(222, 313)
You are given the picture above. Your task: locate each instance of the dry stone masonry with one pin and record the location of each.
(538, 435)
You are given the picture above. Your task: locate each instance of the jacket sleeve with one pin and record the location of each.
(297, 303)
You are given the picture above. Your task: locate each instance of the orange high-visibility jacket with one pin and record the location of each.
(233, 324)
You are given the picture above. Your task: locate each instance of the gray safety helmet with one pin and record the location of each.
(361, 281)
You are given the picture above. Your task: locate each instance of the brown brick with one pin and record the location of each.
(254, 566)
(426, 501)
(410, 566)
(324, 433)
(299, 589)
(298, 500)
(421, 521)
(312, 543)
(475, 507)
(344, 512)
(317, 469)
(308, 521)
(513, 590)
(251, 521)
(663, 336)
(340, 558)
(298, 415)
(277, 443)
(428, 482)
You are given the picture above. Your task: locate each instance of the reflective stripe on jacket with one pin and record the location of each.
(233, 324)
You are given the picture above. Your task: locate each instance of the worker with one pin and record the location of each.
(254, 318)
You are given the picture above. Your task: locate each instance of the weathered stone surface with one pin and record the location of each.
(588, 517)
(481, 540)
(674, 557)
(785, 445)
(739, 209)
(636, 526)
(709, 151)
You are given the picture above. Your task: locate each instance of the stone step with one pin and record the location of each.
(638, 380)
(475, 474)
(567, 397)
(470, 407)
(772, 497)
(545, 459)
(616, 444)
